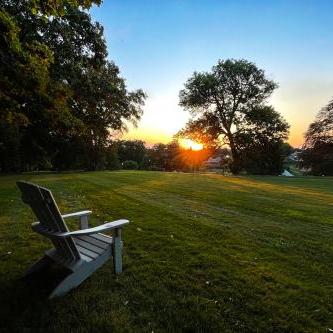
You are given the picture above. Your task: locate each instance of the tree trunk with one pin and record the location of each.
(236, 161)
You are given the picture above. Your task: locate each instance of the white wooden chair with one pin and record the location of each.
(82, 251)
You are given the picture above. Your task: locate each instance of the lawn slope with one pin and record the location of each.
(203, 253)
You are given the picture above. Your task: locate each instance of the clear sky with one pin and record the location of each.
(158, 45)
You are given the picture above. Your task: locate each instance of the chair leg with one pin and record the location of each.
(38, 266)
(79, 274)
(117, 255)
(67, 284)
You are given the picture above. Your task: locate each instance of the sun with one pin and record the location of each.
(190, 144)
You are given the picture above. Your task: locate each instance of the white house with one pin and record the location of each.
(213, 162)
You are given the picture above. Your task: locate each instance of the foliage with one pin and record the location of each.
(58, 7)
(165, 157)
(173, 157)
(133, 150)
(112, 157)
(130, 165)
(264, 158)
(59, 92)
(318, 148)
(228, 107)
(29, 102)
(260, 143)
(287, 149)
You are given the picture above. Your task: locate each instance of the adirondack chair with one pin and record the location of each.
(82, 251)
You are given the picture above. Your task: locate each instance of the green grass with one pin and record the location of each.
(203, 253)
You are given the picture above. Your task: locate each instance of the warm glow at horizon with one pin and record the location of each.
(163, 117)
(190, 144)
(299, 60)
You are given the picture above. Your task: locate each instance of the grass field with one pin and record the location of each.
(203, 253)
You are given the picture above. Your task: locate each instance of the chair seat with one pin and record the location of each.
(92, 246)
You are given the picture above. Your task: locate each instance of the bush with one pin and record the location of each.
(130, 165)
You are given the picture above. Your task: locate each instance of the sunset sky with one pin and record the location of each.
(159, 44)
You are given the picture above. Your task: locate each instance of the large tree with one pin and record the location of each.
(318, 148)
(99, 97)
(59, 93)
(25, 58)
(27, 95)
(228, 107)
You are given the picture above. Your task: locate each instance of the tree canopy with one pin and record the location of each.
(228, 108)
(131, 150)
(59, 93)
(318, 147)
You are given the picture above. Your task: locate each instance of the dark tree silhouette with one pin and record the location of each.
(228, 107)
(318, 148)
(59, 94)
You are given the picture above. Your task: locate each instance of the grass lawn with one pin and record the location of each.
(203, 253)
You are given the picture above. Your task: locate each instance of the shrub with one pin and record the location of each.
(130, 165)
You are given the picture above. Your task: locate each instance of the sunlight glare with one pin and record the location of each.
(190, 144)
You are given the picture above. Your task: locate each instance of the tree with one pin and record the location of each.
(227, 105)
(157, 157)
(58, 91)
(58, 7)
(24, 58)
(318, 148)
(166, 157)
(171, 156)
(99, 96)
(26, 93)
(112, 158)
(260, 142)
(265, 158)
(131, 150)
(287, 150)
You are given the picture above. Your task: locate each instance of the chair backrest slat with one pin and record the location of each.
(36, 205)
(46, 210)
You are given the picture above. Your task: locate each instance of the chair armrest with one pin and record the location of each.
(104, 227)
(77, 214)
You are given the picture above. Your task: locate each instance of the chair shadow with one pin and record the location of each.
(24, 301)
(46, 279)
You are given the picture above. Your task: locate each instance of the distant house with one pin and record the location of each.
(295, 156)
(286, 173)
(213, 162)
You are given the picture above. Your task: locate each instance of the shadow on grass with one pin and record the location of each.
(25, 304)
